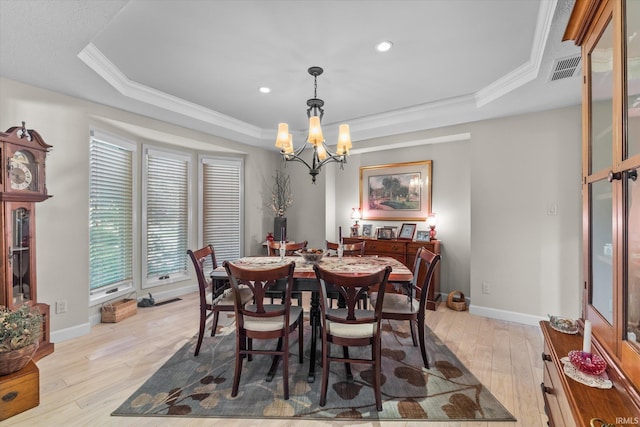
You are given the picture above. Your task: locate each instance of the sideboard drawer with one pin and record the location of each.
(558, 404)
(380, 246)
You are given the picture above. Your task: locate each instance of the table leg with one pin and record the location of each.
(314, 317)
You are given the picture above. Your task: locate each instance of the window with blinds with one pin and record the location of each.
(111, 216)
(167, 213)
(222, 208)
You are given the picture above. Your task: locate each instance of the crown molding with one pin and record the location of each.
(527, 71)
(99, 63)
(421, 117)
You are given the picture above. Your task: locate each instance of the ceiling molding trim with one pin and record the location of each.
(99, 63)
(527, 71)
(436, 140)
(408, 114)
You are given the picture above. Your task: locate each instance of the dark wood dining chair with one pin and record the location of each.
(411, 304)
(351, 249)
(215, 295)
(264, 321)
(273, 249)
(350, 327)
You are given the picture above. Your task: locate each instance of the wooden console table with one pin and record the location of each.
(570, 403)
(405, 252)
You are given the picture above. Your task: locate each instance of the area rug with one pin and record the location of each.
(188, 386)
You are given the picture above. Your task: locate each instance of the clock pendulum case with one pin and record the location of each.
(23, 184)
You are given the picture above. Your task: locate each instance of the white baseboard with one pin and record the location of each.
(509, 316)
(168, 294)
(70, 333)
(94, 319)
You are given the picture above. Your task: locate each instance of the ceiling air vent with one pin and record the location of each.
(565, 67)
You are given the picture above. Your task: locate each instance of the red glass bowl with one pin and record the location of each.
(588, 363)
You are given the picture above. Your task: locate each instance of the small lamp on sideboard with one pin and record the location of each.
(432, 220)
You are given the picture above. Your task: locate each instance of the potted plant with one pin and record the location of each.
(20, 332)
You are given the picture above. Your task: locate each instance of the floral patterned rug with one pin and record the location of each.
(188, 386)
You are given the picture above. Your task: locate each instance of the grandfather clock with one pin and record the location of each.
(22, 160)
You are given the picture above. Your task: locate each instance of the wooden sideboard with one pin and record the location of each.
(405, 252)
(570, 403)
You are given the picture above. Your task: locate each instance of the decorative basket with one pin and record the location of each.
(13, 361)
(456, 301)
(119, 310)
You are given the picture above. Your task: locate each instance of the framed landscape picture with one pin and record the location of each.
(396, 192)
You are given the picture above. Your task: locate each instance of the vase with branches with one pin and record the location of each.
(280, 194)
(280, 201)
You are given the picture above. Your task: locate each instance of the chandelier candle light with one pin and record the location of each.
(321, 154)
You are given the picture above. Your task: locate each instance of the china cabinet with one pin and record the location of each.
(608, 32)
(23, 184)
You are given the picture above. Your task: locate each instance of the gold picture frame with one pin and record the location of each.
(397, 191)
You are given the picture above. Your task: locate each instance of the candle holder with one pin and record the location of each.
(589, 363)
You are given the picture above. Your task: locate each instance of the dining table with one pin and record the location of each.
(304, 280)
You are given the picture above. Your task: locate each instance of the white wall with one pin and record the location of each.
(450, 196)
(491, 191)
(492, 194)
(522, 167)
(62, 221)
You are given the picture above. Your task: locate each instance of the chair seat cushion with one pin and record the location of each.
(350, 330)
(226, 298)
(396, 303)
(270, 323)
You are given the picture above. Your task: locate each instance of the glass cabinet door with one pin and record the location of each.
(601, 150)
(20, 256)
(633, 259)
(601, 249)
(631, 153)
(19, 285)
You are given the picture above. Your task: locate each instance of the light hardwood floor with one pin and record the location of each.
(86, 378)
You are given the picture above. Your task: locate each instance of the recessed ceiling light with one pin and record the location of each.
(384, 46)
(265, 89)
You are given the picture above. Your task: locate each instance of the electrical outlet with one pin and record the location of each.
(486, 289)
(61, 306)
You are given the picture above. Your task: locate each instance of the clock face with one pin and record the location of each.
(20, 172)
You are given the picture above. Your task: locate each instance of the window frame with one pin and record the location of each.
(204, 159)
(165, 279)
(126, 287)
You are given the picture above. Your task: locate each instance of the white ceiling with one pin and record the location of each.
(200, 63)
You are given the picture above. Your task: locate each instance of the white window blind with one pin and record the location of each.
(111, 216)
(167, 216)
(222, 206)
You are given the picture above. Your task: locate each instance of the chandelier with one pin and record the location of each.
(321, 153)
